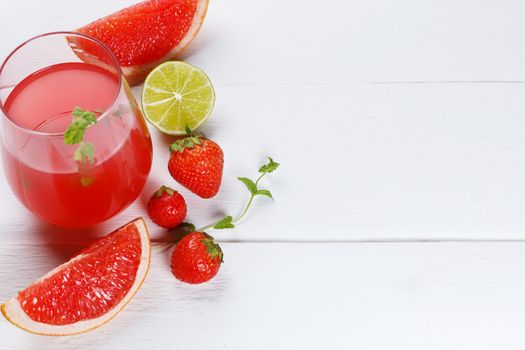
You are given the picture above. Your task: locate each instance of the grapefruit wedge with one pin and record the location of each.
(147, 34)
(87, 291)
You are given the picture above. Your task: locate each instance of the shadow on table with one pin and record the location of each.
(64, 243)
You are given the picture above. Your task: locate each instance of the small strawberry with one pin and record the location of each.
(196, 163)
(167, 208)
(196, 258)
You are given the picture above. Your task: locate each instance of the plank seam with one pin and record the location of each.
(413, 82)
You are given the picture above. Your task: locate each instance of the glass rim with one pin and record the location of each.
(63, 33)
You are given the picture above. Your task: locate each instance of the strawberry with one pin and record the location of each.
(167, 208)
(196, 258)
(196, 163)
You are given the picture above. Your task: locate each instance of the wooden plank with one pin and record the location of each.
(308, 296)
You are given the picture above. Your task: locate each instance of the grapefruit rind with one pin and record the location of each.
(136, 74)
(13, 312)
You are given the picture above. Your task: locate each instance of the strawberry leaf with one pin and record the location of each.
(213, 248)
(188, 142)
(176, 147)
(164, 189)
(196, 140)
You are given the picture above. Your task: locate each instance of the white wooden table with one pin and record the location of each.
(399, 221)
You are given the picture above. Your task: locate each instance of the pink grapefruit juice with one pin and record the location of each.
(41, 168)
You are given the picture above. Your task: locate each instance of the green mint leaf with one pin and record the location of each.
(89, 152)
(85, 152)
(224, 223)
(270, 167)
(79, 155)
(89, 118)
(78, 111)
(82, 119)
(74, 134)
(250, 185)
(264, 193)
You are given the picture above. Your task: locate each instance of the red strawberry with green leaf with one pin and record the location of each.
(196, 258)
(197, 163)
(167, 208)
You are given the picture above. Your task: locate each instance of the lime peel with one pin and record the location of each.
(177, 94)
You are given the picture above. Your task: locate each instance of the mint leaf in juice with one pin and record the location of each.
(82, 119)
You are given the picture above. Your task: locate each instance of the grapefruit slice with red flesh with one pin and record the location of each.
(147, 34)
(87, 291)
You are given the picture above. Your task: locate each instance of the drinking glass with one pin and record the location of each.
(42, 82)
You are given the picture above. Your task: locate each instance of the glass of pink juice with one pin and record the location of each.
(41, 83)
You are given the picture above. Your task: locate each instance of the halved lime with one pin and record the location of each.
(177, 94)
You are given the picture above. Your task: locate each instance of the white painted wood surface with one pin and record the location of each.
(310, 296)
(394, 121)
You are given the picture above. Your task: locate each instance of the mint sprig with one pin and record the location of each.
(85, 151)
(82, 119)
(253, 187)
(228, 221)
